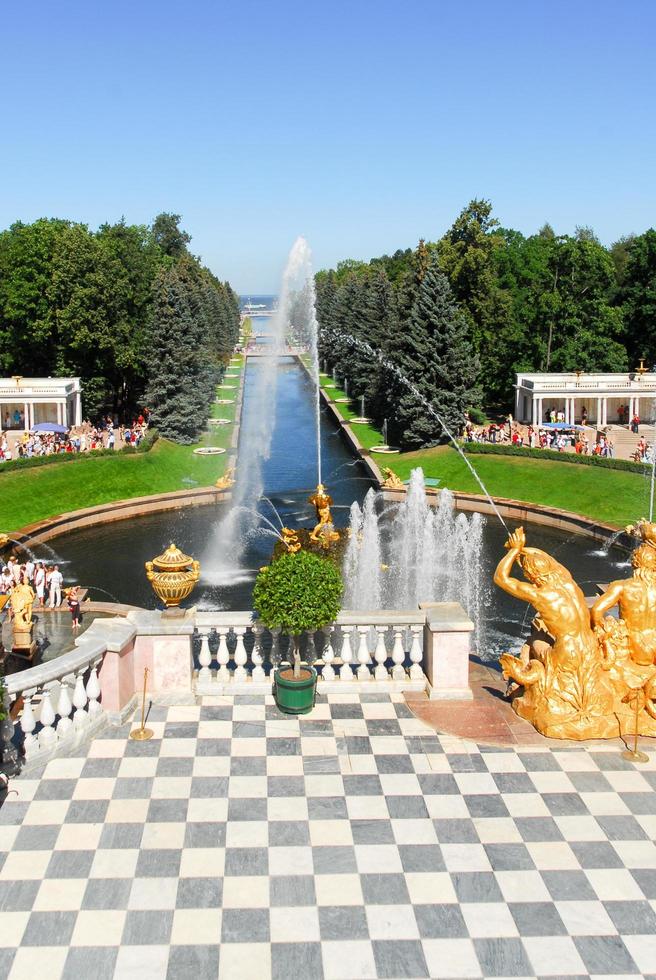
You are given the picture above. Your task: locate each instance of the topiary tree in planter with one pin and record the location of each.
(298, 593)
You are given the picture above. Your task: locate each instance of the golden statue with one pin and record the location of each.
(172, 576)
(392, 481)
(22, 599)
(227, 480)
(581, 670)
(567, 691)
(324, 530)
(290, 540)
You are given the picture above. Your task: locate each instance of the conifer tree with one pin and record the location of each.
(179, 390)
(436, 356)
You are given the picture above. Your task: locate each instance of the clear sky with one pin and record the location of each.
(363, 125)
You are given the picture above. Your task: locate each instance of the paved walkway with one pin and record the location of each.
(351, 843)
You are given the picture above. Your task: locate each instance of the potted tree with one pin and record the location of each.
(299, 592)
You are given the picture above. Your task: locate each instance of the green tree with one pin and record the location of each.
(178, 391)
(169, 236)
(638, 297)
(437, 358)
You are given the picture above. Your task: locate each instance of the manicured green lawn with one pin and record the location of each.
(366, 435)
(612, 496)
(34, 494)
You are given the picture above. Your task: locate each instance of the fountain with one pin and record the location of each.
(422, 554)
(361, 419)
(384, 448)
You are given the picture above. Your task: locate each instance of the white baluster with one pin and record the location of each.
(241, 657)
(363, 654)
(28, 723)
(64, 705)
(416, 673)
(223, 656)
(80, 717)
(47, 735)
(93, 691)
(398, 656)
(380, 655)
(259, 675)
(328, 655)
(205, 660)
(346, 671)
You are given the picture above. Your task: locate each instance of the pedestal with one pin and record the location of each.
(447, 644)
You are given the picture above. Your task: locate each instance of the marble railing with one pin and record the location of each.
(55, 705)
(235, 653)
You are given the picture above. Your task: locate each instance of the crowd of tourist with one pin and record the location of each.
(79, 439)
(47, 585)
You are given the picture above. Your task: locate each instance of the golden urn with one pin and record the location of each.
(172, 575)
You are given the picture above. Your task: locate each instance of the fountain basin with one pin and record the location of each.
(223, 401)
(385, 450)
(228, 387)
(219, 421)
(342, 401)
(359, 420)
(209, 451)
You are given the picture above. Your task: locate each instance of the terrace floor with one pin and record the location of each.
(351, 843)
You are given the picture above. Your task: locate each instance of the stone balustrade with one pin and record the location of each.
(55, 705)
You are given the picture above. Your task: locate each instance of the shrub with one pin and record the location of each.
(501, 449)
(298, 593)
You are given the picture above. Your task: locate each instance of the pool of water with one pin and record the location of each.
(109, 560)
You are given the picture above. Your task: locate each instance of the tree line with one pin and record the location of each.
(127, 308)
(458, 318)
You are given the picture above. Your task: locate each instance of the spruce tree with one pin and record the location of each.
(437, 358)
(178, 392)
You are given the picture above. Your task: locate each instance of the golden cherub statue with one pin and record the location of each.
(576, 679)
(324, 530)
(392, 481)
(227, 480)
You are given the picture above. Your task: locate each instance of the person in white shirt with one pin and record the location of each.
(40, 582)
(56, 582)
(29, 570)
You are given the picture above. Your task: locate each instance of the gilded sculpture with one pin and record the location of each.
(324, 530)
(226, 481)
(581, 677)
(392, 481)
(172, 575)
(22, 600)
(290, 539)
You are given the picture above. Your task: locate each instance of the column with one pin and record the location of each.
(636, 406)
(59, 413)
(447, 642)
(567, 410)
(598, 414)
(26, 413)
(631, 413)
(604, 411)
(535, 404)
(78, 408)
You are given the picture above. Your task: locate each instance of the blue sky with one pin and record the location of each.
(363, 125)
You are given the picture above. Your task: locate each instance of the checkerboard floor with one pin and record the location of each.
(351, 843)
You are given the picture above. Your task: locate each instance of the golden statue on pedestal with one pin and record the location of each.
(392, 481)
(577, 675)
(324, 530)
(22, 600)
(227, 480)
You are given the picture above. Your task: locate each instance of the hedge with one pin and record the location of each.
(605, 462)
(28, 462)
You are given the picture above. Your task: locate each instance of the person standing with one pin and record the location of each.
(40, 582)
(56, 582)
(74, 606)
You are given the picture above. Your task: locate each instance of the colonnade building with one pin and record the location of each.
(603, 399)
(24, 402)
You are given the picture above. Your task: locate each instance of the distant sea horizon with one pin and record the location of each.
(267, 298)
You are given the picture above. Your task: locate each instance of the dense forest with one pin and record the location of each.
(127, 308)
(459, 316)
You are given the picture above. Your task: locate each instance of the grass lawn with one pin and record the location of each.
(613, 496)
(34, 494)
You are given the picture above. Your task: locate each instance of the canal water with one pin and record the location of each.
(109, 559)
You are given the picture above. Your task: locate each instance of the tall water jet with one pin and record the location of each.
(295, 311)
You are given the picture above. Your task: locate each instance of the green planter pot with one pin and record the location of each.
(295, 697)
